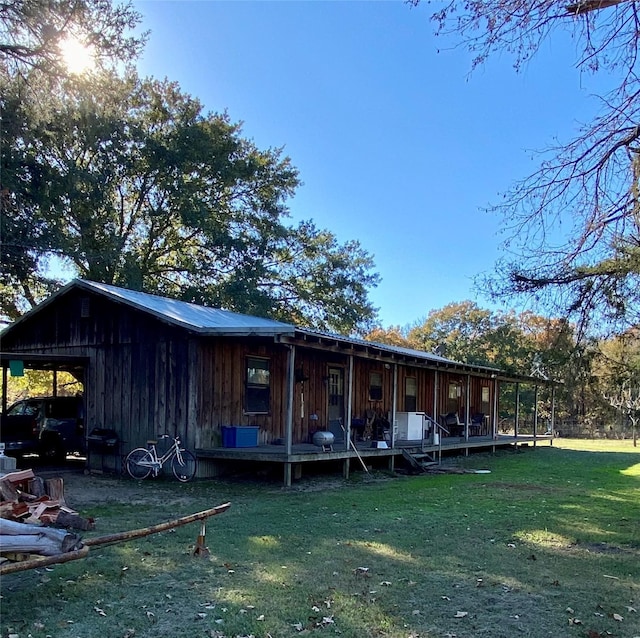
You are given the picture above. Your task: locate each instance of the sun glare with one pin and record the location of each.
(77, 57)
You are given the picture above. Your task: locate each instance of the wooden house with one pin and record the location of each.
(242, 389)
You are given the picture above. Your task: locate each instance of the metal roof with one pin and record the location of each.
(423, 355)
(217, 322)
(200, 319)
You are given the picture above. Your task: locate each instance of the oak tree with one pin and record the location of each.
(128, 181)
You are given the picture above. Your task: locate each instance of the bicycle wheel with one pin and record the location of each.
(186, 470)
(132, 463)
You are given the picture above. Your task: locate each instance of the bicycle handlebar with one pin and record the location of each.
(166, 435)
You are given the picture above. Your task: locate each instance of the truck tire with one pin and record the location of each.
(52, 450)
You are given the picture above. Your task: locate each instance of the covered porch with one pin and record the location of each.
(357, 456)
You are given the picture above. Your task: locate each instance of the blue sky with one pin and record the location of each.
(399, 144)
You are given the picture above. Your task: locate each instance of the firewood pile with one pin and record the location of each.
(33, 511)
(30, 511)
(30, 499)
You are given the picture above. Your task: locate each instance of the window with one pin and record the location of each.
(257, 392)
(410, 395)
(486, 397)
(375, 386)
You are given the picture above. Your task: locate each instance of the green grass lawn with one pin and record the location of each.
(546, 544)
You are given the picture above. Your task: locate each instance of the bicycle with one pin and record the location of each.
(141, 462)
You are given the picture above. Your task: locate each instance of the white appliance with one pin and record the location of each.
(409, 426)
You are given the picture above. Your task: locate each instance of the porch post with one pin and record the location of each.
(535, 415)
(346, 466)
(4, 388)
(467, 409)
(517, 414)
(394, 405)
(436, 383)
(496, 403)
(291, 362)
(553, 412)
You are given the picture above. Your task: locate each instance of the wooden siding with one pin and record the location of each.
(138, 380)
(145, 376)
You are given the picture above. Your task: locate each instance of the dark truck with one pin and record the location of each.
(49, 426)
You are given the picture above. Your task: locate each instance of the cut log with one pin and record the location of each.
(20, 476)
(8, 491)
(36, 486)
(72, 520)
(54, 487)
(18, 510)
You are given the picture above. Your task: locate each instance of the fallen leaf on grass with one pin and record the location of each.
(461, 614)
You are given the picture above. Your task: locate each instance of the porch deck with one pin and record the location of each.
(309, 453)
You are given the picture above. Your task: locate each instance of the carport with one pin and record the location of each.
(14, 364)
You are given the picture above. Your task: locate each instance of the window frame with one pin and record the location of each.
(257, 395)
(410, 398)
(375, 390)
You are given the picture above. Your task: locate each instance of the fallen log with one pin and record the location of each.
(34, 539)
(76, 554)
(154, 529)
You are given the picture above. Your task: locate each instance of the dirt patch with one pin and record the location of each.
(521, 487)
(83, 490)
